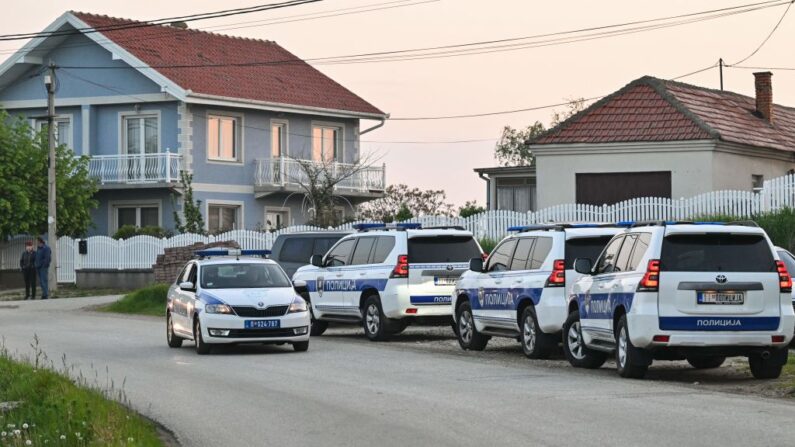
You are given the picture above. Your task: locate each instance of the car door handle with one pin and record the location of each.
(518, 281)
(497, 282)
(362, 273)
(339, 275)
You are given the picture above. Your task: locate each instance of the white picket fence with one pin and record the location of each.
(140, 252)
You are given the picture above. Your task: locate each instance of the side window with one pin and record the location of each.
(340, 254)
(641, 245)
(183, 275)
(192, 275)
(323, 244)
(522, 253)
(624, 254)
(607, 261)
(383, 247)
(361, 254)
(540, 252)
(296, 249)
(501, 257)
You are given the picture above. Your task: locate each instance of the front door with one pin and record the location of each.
(493, 297)
(183, 305)
(334, 280)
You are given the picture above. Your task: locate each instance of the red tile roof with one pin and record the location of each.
(293, 83)
(650, 109)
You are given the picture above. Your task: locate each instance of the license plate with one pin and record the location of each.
(444, 280)
(720, 298)
(262, 324)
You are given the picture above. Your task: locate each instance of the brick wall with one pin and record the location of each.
(169, 264)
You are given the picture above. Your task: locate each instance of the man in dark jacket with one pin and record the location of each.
(27, 264)
(42, 263)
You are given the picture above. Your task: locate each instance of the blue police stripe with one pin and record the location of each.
(430, 300)
(332, 285)
(730, 324)
(208, 298)
(603, 305)
(503, 298)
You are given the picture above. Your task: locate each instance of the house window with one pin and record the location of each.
(140, 134)
(222, 217)
(140, 215)
(63, 130)
(276, 219)
(757, 181)
(326, 143)
(223, 138)
(278, 140)
(515, 194)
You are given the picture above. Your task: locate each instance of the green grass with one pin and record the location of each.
(150, 300)
(51, 409)
(64, 291)
(788, 376)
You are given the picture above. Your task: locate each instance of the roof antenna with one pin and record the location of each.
(720, 64)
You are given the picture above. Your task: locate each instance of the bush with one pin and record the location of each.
(470, 209)
(150, 300)
(128, 231)
(779, 225)
(488, 244)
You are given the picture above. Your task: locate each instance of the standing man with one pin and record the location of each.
(27, 264)
(43, 258)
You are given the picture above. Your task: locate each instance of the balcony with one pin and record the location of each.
(153, 170)
(287, 174)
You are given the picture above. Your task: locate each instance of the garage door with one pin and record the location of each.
(609, 188)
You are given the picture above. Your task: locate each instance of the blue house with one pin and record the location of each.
(243, 116)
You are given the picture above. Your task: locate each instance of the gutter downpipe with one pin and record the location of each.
(381, 124)
(488, 190)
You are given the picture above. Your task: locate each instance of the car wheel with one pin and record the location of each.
(468, 336)
(579, 355)
(316, 327)
(706, 362)
(173, 340)
(202, 348)
(301, 346)
(631, 362)
(535, 344)
(768, 368)
(374, 321)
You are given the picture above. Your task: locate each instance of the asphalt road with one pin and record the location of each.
(347, 391)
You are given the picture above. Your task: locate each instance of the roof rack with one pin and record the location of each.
(445, 227)
(663, 223)
(364, 227)
(558, 226)
(201, 254)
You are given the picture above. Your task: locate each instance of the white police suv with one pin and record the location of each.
(682, 290)
(521, 290)
(231, 296)
(387, 277)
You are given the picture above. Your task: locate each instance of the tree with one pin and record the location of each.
(512, 148)
(401, 202)
(23, 183)
(191, 209)
(470, 209)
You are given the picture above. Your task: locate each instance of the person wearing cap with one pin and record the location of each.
(27, 265)
(42, 263)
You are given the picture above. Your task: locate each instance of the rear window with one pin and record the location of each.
(442, 249)
(300, 249)
(585, 248)
(716, 253)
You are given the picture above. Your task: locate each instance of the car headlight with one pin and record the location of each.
(218, 309)
(298, 305)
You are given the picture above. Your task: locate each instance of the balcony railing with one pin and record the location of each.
(135, 168)
(284, 172)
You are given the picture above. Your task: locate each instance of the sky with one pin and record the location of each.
(472, 84)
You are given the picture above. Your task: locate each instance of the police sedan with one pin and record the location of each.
(235, 296)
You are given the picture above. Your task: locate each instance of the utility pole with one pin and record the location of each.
(720, 64)
(52, 236)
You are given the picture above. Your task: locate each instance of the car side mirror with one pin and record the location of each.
(316, 260)
(476, 265)
(583, 266)
(299, 284)
(186, 285)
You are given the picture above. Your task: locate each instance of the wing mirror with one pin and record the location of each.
(299, 284)
(476, 265)
(316, 260)
(583, 266)
(187, 285)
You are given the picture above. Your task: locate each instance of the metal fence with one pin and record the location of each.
(140, 252)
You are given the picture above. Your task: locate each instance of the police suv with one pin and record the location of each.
(231, 296)
(387, 277)
(521, 290)
(676, 291)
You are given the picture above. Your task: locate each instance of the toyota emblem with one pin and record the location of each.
(720, 279)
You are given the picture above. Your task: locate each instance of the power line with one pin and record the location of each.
(156, 22)
(481, 47)
(766, 38)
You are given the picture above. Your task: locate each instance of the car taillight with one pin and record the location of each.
(401, 270)
(784, 280)
(558, 276)
(651, 280)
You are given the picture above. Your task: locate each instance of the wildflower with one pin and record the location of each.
(3, 434)
(28, 442)
(17, 432)
(130, 439)
(63, 437)
(25, 426)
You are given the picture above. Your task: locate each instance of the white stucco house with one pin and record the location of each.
(659, 138)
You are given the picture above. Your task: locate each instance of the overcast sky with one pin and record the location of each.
(483, 82)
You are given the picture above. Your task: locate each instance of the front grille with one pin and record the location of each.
(253, 312)
(261, 333)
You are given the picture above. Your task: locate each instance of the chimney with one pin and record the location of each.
(764, 95)
(179, 24)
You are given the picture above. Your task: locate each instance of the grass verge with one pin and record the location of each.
(39, 406)
(64, 291)
(150, 300)
(788, 376)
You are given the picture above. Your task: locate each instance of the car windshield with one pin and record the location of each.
(720, 252)
(243, 276)
(430, 249)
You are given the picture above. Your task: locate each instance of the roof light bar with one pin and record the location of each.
(383, 226)
(230, 252)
